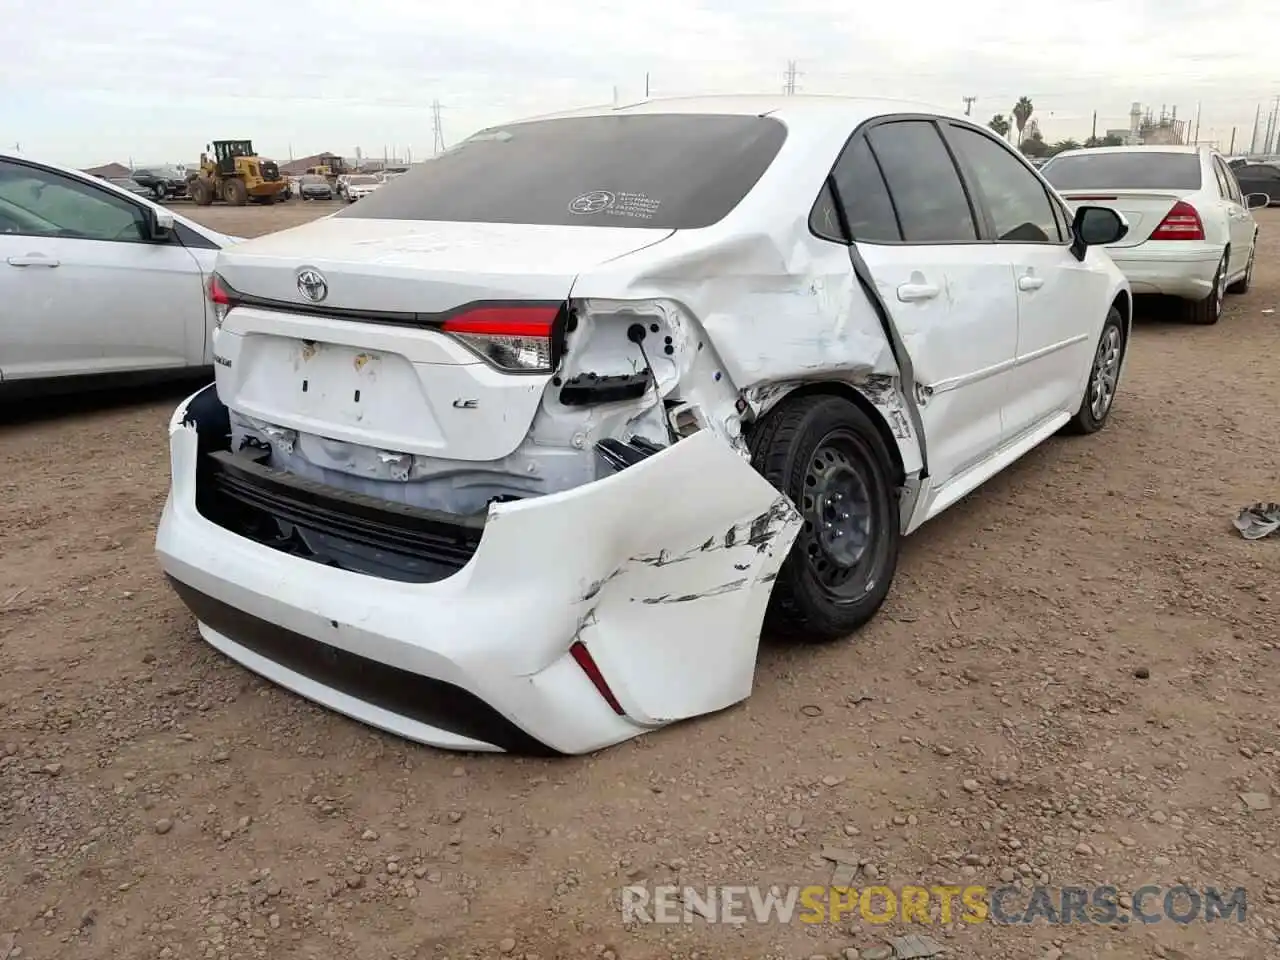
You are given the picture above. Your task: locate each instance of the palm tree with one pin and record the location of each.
(1022, 111)
(1000, 124)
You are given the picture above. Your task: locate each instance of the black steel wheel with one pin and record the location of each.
(824, 452)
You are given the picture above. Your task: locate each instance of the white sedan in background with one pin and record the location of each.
(515, 453)
(1191, 231)
(358, 186)
(98, 285)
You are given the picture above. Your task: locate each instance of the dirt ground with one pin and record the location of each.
(1073, 681)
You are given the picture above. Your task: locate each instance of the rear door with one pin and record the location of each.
(950, 293)
(1239, 219)
(83, 290)
(1060, 300)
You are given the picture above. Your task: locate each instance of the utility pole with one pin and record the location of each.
(1195, 138)
(789, 88)
(1253, 141)
(646, 85)
(437, 145)
(1093, 133)
(1232, 149)
(968, 105)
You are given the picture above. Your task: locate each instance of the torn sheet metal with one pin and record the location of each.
(1258, 521)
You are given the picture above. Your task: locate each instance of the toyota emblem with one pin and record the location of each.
(312, 284)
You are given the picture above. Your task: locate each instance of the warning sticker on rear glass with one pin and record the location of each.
(636, 206)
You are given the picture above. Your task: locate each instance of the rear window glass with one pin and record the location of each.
(1141, 170)
(665, 171)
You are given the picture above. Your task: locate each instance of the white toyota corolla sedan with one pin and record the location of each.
(518, 452)
(1191, 231)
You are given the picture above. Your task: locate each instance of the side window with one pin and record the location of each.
(862, 190)
(824, 220)
(47, 204)
(1229, 178)
(1060, 217)
(1223, 191)
(927, 194)
(1021, 210)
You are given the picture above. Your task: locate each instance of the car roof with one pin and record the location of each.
(848, 111)
(1141, 148)
(1138, 148)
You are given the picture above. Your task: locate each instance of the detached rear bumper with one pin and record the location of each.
(661, 573)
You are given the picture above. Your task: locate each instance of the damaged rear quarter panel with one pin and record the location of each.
(670, 562)
(781, 310)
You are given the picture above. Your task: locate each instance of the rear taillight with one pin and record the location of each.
(220, 298)
(1180, 223)
(514, 338)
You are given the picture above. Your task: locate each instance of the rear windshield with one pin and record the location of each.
(1140, 170)
(666, 171)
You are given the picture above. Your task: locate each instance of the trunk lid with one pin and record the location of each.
(367, 363)
(1144, 209)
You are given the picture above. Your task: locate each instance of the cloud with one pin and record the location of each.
(137, 78)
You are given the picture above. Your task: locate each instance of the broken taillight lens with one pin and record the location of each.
(514, 338)
(220, 298)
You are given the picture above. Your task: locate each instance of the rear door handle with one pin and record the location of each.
(914, 292)
(1030, 283)
(33, 260)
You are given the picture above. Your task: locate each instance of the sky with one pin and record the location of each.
(154, 81)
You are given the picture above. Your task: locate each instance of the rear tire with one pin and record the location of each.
(235, 192)
(825, 454)
(1208, 311)
(1104, 378)
(1242, 285)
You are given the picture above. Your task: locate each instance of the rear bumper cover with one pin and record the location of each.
(661, 571)
(1172, 268)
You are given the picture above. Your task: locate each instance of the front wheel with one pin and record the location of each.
(1104, 378)
(827, 456)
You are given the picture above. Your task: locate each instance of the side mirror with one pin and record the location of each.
(1096, 227)
(160, 224)
(1255, 200)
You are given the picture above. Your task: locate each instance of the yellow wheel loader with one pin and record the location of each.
(331, 167)
(236, 174)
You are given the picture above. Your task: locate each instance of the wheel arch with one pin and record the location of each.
(879, 400)
(1123, 301)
